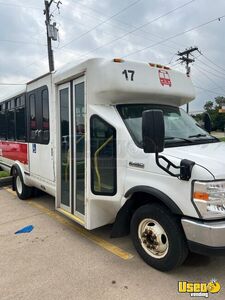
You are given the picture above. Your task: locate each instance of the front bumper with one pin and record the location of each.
(205, 237)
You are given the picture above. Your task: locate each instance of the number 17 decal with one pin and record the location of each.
(129, 74)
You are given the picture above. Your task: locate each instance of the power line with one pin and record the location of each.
(212, 68)
(124, 23)
(210, 72)
(129, 32)
(207, 90)
(218, 86)
(12, 83)
(204, 56)
(135, 28)
(101, 23)
(106, 20)
(21, 6)
(157, 43)
(155, 19)
(115, 39)
(176, 35)
(21, 42)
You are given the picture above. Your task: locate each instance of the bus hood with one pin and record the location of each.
(209, 156)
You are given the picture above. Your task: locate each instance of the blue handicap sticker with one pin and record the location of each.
(34, 148)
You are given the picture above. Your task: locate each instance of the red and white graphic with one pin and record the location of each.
(164, 78)
(14, 151)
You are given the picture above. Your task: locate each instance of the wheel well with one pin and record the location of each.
(121, 226)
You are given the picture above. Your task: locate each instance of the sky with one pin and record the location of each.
(142, 30)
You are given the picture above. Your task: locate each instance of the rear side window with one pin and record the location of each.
(20, 124)
(2, 125)
(11, 125)
(103, 157)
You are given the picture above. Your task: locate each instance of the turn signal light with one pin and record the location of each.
(118, 60)
(201, 196)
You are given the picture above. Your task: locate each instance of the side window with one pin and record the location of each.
(103, 157)
(2, 124)
(20, 119)
(32, 117)
(11, 124)
(38, 116)
(45, 116)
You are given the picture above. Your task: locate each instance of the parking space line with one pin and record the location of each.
(10, 191)
(78, 229)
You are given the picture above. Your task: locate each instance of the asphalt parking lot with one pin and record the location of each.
(60, 260)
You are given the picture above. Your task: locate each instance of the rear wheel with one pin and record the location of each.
(158, 237)
(23, 191)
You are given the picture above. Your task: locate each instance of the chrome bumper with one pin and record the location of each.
(210, 234)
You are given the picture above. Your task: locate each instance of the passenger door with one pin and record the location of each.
(71, 137)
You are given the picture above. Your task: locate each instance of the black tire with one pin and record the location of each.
(23, 191)
(174, 242)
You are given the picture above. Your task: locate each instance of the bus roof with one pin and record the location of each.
(118, 81)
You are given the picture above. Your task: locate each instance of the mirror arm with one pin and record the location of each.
(169, 164)
(185, 167)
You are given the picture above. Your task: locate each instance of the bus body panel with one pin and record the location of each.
(41, 155)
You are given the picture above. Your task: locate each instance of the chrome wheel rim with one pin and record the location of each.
(19, 185)
(153, 238)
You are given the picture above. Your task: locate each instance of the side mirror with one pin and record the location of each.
(207, 122)
(153, 131)
(153, 134)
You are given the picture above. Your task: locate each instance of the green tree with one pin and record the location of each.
(208, 106)
(220, 101)
(218, 119)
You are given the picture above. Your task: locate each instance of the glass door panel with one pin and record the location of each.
(65, 158)
(79, 147)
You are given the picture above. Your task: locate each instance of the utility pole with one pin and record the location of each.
(52, 31)
(185, 58)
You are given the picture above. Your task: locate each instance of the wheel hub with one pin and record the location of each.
(19, 185)
(153, 238)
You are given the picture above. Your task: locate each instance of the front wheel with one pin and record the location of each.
(23, 191)
(158, 237)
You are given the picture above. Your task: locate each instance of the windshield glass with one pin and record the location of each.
(179, 126)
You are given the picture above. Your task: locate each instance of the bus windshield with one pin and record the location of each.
(180, 128)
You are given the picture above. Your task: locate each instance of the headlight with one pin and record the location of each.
(209, 197)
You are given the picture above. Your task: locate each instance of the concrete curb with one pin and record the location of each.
(5, 181)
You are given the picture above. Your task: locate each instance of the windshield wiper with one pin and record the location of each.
(197, 135)
(176, 137)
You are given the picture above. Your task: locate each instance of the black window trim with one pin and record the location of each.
(115, 157)
(39, 114)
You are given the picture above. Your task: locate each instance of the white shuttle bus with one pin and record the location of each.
(108, 139)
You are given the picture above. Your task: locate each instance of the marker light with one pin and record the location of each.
(159, 66)
(118, 60)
